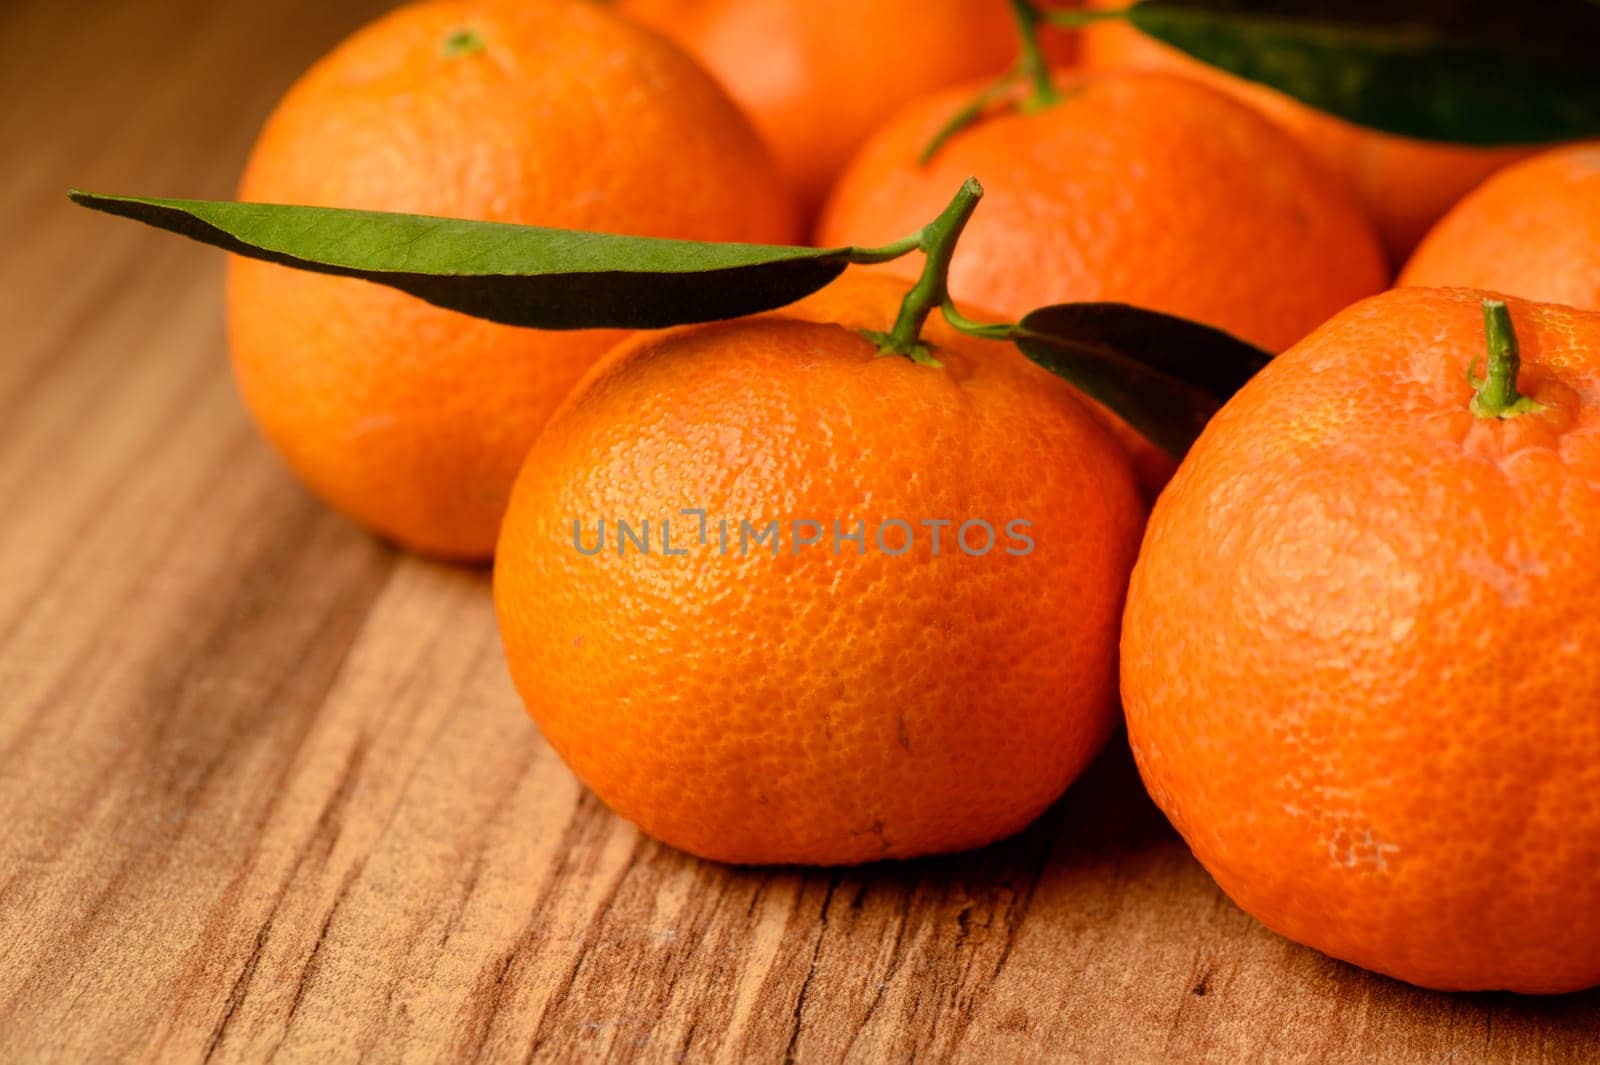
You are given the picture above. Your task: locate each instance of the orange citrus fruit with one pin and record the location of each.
(1142, 189)
(1404, 184)
(413, 419)
(817, 76)
(1359, 655)
(1532, 230)
(835, 701)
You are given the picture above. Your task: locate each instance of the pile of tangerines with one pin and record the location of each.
(1358, 633)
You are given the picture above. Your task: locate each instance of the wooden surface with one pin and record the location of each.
(265, 790)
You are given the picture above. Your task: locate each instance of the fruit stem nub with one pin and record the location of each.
(1497, 395)
(938, 243)
(465, 41)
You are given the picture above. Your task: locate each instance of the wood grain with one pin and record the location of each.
(266, 792)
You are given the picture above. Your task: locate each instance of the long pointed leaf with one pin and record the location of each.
(1163, 375)
(1467, 71)
(518, 275)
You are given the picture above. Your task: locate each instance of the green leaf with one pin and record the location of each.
(1163, 375)
(518, 275)
(1467, 71)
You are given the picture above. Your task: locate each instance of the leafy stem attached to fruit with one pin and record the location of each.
(1497, 395)
(1163, 375)
(937, 240)
(938, 243)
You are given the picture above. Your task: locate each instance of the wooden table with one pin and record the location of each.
(265, 789)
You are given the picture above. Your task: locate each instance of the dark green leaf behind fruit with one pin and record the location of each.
(1467, 71)
(1163, 375)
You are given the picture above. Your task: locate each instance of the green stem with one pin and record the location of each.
(968, 114)
(1031, 64)
(1032, 59)
(1497, 395)
(938, 243)
(869, 256)
(985, 330)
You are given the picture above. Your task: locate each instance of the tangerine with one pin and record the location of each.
(802, 700)
(1532, 230)
(410, 418)
(1359, 655)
